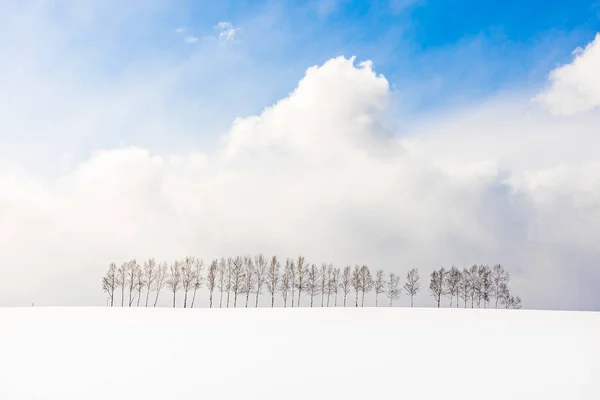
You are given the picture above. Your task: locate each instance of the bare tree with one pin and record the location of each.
(174, 279)
(221, 279)
(229, 277)
(161, 278)
(464, 285)
(437, 285)
(110, 282)
(197, 279)
(366, 282)
(132, 281)
(149, 277)
(292, 278)
(286, 281)
(324, 286)
(335, 284)
(249, 277)
(345, 282)
(328, 289)
(312, 282)
(412, 285)
(486, 284)
(237, 278)
(139, 284)
(379, 285)
(452, 284)
(475, 283)
(260, 264)
(122, 280)
(188, 276)
(211, 280)
(301, 276)
(393, 288)
(273, 278)
(499, 280)
(355, 282)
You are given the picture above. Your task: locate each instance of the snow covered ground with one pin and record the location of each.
(392, 353)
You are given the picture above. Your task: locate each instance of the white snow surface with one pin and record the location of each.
(330, 353)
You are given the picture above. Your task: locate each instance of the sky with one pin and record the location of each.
(99, 353)
(398, 134)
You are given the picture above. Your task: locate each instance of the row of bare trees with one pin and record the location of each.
(235, 279)
(478, 285)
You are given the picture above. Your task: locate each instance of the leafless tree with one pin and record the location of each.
(221, 279)
(393, 288)
(110, 282)
(273, 278)
(366, 282)
(301, 276)
(412, 285)
(335, 284)
(286, 281)
(379, 285)
(211, 280)
(161, 278)
(486, 284)
(499, 280)
(150, 273)
(346, 282)
(452, 283)
(139, 284)
(355, 282)
(324, 286)
(188, 276)
(437, 285)
(292, 278)
(249, 282)
(312, 282)
(475, 283)
(237, 278)
(132, 281)
(198, 279)
(229, 278)
(260, 264)
(122, 280)
(174, 279)
(464, 286)
(328, 288)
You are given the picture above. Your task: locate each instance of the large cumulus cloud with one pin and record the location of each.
(323, 173)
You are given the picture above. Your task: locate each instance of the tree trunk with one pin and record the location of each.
(299, 296)
(194, 298)
(292, 297)
(345, 296)
(247, 297)
(411, 300)
(221, 300)
(376, 299)
(174, 292)
(112, 297)
(123, 296)
(228, 298)
(356, 301)
(210, 301)
(235, 300)
(147, 296)
(272, 299)
(362, 301)
(139, 297)
(311, 300)
(185, 299)
(390, 301)
(328, 295)
(256, 305)
(156, 299)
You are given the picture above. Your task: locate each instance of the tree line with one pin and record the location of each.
(242, 280)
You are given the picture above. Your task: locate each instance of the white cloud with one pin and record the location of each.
(180, 30)
(191, 39)
(318, 173)
(227, 32)
(575, 87)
